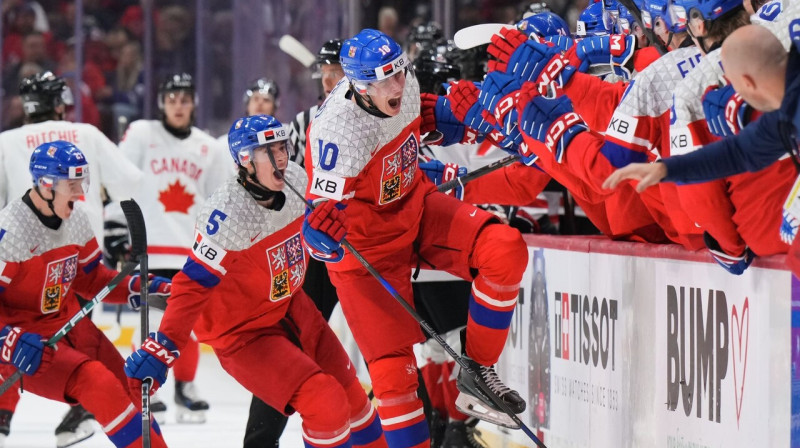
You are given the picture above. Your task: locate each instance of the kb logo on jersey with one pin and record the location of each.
(287, 266)
(60, 274)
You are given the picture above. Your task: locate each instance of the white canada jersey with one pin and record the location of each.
(179, 175)
(107, 166)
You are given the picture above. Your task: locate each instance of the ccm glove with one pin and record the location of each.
(152, 361)
(726, 112)
(615, 50)
(324, 230)
(498, 97)
(437, 116)
(23, 350)
(550, 121)
(440, 173)
(157, 286)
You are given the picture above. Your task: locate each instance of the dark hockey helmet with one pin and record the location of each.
(179, 82)
(43, 92)
(262, 86)
(433, 68)
(329, 53)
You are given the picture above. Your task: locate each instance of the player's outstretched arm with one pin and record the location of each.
(648, 174)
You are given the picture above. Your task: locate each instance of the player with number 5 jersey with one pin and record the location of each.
(241, 292)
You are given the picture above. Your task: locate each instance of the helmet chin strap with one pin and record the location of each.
(48, 201)
(366, 103)
(253, 186)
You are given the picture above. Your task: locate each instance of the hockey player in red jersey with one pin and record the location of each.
(45, 98)
(181, 166)
(240, 290)
(48, 253)
(363, 150)
(635, 131)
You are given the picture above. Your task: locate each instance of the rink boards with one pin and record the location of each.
(634, 345)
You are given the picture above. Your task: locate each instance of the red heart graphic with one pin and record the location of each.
(742, 326)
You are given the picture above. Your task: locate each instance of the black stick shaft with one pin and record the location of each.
(432, 333)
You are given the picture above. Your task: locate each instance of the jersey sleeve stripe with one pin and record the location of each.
(92, 264)
(90, 256)
(198, 273)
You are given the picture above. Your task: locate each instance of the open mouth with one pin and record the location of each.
(71, 205)
(394, 103)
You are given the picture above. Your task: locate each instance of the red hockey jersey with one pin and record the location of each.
(41, 269)
(246, 263)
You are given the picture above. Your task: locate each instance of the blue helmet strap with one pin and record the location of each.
(365, 102)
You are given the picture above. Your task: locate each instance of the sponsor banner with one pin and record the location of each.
(795, 381)
(722, 356)
(616, 350)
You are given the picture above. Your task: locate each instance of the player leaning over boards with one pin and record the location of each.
(363, 151)
(48, 253)
(240, 290)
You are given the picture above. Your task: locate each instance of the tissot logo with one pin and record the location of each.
(591, 335)
(704, 332)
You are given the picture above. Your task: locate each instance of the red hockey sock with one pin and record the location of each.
(185, 366)
(395, 382)
(365, 425)
(100, 392)
(500, 255)
(322, 403)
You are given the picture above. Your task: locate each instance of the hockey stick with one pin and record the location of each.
(477, 35)
(133, 214)
(424, 324)
(136, 227)
(482, 171)
(297, 50)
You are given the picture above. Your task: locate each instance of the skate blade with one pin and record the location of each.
(472, 406)
(84, 430)
(184, 415)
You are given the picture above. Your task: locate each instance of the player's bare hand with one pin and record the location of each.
(648, 174)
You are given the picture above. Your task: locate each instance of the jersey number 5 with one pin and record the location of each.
(213, 224)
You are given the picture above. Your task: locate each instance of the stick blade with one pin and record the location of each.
(297, 50)
(136, 227)
(477, 35)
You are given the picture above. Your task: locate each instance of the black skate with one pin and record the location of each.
(191, 409)
(77, 426)
(473, 401)
(158, 409)
(463, 435)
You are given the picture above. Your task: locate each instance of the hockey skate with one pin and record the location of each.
(5, 426)
(473, 401)
(77, 426)
(463, 435)
(158, 409)
(191, 409)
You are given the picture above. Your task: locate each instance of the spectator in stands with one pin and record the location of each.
(128, 84)
(34, 49)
